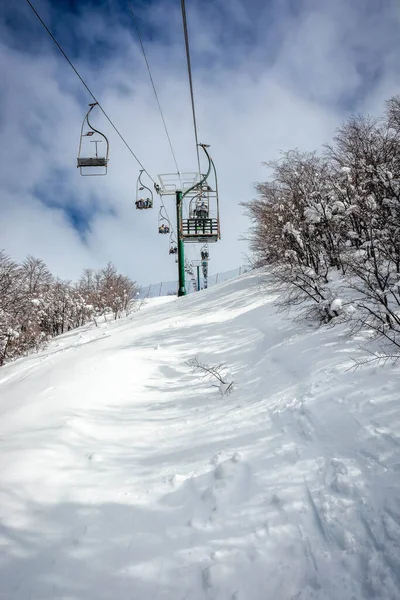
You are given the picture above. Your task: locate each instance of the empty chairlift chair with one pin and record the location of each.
(92, 161)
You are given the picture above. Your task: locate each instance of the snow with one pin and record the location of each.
(311, 215)
(289, 229)
(336, 305)
(370, 203)
(124, 476)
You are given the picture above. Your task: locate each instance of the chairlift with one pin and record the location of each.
(173, 246)
(204, 253)
(201, 200)
(144, 199)
(164, 225)
(93, 159)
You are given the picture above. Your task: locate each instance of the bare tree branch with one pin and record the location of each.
(211, 371)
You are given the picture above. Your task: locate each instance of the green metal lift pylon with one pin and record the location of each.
(181, 247)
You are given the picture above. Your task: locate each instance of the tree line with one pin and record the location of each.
(327, 225)
(36, 306)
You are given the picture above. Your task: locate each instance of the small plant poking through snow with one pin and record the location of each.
(213, 372)
(379, 357)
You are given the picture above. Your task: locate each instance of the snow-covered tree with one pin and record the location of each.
(339, 213)
(34, 306)
(297, 227)
(366, 158)
(107, 291)
(11, 304)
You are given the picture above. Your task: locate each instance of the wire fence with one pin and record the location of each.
(170, 288)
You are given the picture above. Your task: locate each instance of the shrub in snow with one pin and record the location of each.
(213, 372)
(380, 357)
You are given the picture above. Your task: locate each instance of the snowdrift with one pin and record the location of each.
(123, 476)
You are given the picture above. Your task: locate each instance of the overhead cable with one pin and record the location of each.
(185, 32)
(154, 89)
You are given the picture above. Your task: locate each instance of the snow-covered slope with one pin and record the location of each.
(126, 477)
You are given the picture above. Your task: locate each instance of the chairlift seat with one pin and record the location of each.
(92, 162)
(200, 230)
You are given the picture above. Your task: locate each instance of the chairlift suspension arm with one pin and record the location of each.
(143, 185)
(210, 164)
(94, 129)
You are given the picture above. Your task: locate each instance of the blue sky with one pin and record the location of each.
(268, 76)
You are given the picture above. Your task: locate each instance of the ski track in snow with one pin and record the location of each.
(125, 476)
